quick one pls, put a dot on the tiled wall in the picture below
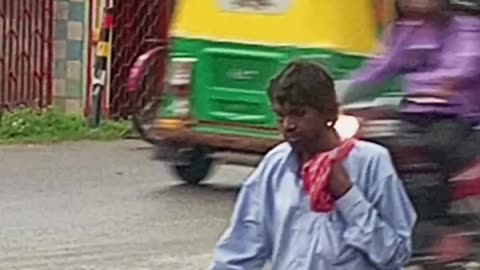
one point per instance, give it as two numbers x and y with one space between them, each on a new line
70 54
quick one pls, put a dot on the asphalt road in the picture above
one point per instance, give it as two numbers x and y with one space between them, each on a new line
102 206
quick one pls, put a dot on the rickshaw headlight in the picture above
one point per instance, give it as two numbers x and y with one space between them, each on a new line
180 82
347 126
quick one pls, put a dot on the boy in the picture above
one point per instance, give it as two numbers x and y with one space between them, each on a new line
369 221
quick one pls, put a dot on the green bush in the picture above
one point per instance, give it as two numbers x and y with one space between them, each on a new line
52 125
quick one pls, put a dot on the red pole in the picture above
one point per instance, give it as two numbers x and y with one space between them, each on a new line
49 68
88 101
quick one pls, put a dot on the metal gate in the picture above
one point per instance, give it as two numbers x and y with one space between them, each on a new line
26 52
139 25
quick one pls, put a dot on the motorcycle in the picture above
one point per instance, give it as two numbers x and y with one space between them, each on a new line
378 121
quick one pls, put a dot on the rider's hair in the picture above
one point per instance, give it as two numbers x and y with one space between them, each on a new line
401 15
304 83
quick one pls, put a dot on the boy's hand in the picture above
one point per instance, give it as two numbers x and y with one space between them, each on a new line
340 182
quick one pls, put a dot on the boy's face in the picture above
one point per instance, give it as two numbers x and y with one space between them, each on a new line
301 126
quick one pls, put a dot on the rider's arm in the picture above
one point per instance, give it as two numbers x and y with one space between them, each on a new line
244 246
377 69
462 59
380 223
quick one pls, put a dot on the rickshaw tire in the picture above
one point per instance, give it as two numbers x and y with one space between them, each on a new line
193 165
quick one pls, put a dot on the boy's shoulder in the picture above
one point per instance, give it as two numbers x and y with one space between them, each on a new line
284 149
369 152
278 155
362 148
372 157
280 159
371 149
281 150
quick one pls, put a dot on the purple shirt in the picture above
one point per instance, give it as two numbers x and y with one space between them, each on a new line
426 55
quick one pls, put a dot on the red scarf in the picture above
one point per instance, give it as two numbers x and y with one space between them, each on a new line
316 175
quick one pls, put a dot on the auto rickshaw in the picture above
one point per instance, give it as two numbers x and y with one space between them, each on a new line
211 104
212 100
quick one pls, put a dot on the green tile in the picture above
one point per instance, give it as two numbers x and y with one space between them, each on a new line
74 50
76 12
74 89
61 30
60 69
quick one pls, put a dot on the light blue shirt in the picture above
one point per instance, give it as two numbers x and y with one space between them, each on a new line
370 228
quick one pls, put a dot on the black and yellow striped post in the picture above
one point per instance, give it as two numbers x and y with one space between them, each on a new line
100 67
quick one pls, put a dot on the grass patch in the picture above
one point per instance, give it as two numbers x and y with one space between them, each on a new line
51 126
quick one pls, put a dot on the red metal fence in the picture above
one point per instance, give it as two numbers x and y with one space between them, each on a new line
26 52
139 26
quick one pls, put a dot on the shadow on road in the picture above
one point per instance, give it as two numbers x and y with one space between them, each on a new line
208 190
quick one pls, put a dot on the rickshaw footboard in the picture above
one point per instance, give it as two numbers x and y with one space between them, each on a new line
220 142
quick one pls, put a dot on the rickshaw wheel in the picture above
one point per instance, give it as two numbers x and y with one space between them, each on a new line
193 164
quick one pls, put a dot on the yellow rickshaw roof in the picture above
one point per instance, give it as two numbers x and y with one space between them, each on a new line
343 25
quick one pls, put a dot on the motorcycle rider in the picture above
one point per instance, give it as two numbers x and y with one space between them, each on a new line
438 54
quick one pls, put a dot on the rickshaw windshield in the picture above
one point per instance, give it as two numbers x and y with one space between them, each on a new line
341 25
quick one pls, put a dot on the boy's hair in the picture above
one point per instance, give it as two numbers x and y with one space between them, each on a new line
303 83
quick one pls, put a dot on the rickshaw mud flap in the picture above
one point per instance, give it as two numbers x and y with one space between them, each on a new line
135 75
146 136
